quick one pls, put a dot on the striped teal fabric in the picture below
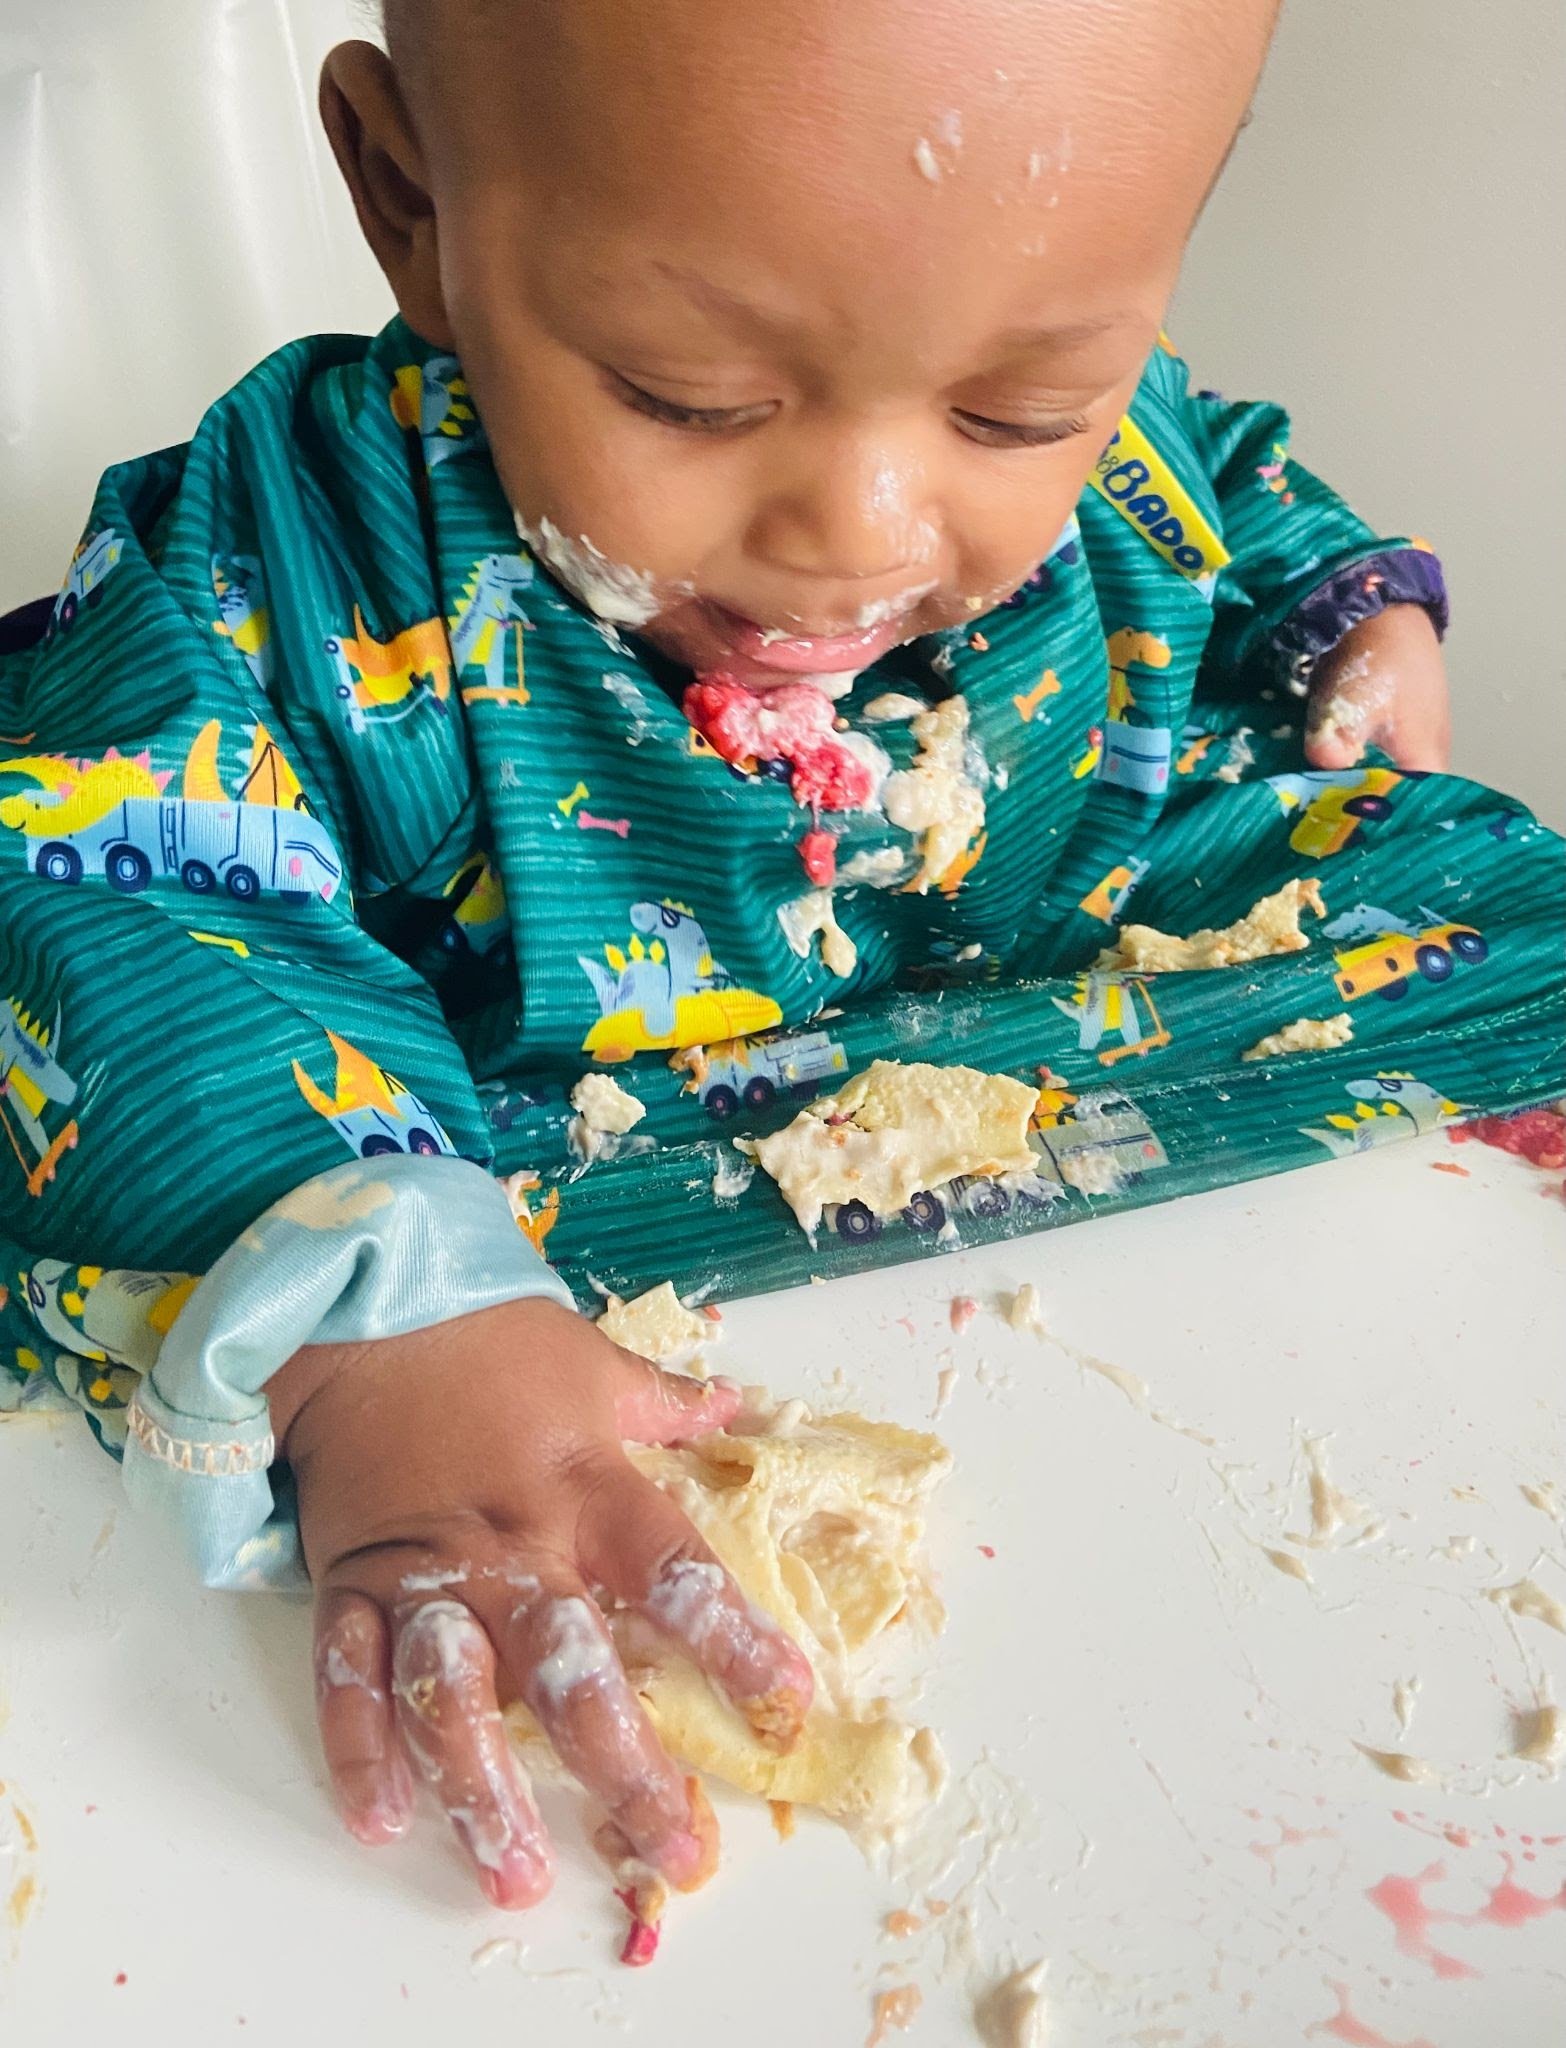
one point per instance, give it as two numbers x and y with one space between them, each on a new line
329 820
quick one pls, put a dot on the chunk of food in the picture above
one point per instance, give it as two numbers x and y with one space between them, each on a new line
1269 927
1305 1034
656 1325
894 1130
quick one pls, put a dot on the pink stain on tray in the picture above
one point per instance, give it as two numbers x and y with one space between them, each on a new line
1288 1838
1346 2025
1402 1899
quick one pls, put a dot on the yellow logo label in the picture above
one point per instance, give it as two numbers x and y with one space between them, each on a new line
1132 476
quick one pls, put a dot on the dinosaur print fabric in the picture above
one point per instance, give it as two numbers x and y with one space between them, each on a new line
331 826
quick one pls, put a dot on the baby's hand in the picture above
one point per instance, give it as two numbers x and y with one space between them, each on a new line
1384 684
461 1491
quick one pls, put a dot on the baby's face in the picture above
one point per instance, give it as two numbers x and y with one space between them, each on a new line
796 329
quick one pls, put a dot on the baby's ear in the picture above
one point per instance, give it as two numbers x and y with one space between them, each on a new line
377 150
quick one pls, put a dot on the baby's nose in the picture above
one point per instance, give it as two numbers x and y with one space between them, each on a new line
849 512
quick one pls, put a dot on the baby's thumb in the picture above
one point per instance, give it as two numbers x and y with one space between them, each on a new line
653 1407
1336 729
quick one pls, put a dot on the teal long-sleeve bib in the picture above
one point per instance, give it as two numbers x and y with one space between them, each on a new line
331 825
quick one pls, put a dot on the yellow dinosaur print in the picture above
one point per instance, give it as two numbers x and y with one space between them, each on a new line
75 794
1125 646
668 991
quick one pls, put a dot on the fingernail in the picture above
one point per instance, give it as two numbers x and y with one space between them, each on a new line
519 1880
681 1856
378 1824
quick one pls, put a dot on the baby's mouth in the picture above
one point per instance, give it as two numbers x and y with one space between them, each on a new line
765 656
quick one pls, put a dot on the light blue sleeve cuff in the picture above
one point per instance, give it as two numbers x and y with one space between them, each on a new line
373 1249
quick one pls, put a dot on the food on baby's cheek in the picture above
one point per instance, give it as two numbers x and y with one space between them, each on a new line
820 1520
1269 927
1305 1034
656 1325
894 1130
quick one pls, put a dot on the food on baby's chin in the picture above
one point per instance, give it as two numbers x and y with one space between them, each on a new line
894 1130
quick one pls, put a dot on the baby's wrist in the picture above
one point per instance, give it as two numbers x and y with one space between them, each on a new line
321 1383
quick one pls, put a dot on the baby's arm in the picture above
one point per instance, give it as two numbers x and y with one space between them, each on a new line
1312 596
451 1425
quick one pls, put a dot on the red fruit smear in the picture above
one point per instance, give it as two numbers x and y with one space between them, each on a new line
1537 1135
818 852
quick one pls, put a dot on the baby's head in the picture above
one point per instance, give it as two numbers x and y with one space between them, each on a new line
797 321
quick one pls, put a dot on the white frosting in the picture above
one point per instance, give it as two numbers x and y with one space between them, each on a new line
811 913
882 869
1395 1763
935 798
578 1651
612 591
1025 1312
1529 1601
1012 2013
732 1175
1269 927
1542 1736
892 708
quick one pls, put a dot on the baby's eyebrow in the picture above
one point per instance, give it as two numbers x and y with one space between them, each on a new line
725 304
745 314
1063 334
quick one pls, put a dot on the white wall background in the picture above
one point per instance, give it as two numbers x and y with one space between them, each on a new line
1384 256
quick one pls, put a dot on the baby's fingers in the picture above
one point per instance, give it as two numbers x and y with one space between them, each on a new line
369 1772
565 1664
443 1672
640 1546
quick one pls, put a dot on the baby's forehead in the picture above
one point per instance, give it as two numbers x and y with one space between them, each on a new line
503 76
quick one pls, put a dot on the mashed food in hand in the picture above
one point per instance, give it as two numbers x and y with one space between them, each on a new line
821 1522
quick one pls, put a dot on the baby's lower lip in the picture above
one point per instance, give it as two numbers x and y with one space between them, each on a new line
807 654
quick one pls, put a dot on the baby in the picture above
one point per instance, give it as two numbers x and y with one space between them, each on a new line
886 608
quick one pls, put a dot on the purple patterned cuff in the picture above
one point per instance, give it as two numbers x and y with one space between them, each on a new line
1406 575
